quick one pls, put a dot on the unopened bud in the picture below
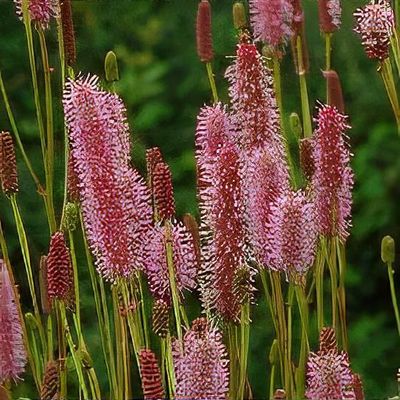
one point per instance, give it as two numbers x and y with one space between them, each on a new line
203 32
71 218
239 16
388 250
111 67
335 94
295 125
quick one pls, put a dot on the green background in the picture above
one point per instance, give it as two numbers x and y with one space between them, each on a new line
163 85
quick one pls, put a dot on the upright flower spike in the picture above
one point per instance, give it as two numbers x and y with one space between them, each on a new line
72 181
8 164
292 234
254 111
114 198
51 380
201 364
330 14
328 373
203 32
151 376
68 31
163 191
40 11
222 228
155 262
333 178
375 25
271 21
13 355
60 280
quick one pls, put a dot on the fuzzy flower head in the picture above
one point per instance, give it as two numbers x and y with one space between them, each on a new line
328 375
201 364
330 13
333 178
292 234
40 11
155 262
114 198
255 114
375 25
272 21
12 350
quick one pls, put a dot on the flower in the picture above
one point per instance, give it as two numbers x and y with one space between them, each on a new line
155 261
150 375
255 115
51 381
333 178
13 355
163 191
201 363
375 25
203 32
291 233
271 21
114 198
8 164
40 11
330 12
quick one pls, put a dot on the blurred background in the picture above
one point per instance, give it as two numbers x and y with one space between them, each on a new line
163 85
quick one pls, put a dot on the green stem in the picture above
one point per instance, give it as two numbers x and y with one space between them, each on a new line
319 287
328 51
244 348
341 255
212 82
393 294
143 311
120 360
62 350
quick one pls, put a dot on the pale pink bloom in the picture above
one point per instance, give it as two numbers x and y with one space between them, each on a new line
40 11
12 350
272 21
155 260
255 115
201 364
114 198
333 177
291 233
375 24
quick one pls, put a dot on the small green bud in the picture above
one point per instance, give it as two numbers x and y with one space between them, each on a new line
31 321
111 67
273 353
295 125
388 250
239 16
70 220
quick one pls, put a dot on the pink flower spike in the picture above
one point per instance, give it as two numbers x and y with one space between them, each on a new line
40 11
155 261
13 356
375 24
333 178
201 364
291 233
272 21
330 13
115 200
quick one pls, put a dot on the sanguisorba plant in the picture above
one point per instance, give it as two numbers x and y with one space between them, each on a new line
267 214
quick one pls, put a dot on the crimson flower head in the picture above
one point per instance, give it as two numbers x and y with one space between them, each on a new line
114 198
13 355
155 261
272 21
330 13
255 114
333 178
150 375
375 25
40 11
201 364
163 191
292 233
203 32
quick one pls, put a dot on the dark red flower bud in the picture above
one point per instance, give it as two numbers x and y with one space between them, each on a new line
160 318
8 164
306 157
203 32
68 31
151 377
335 94
50 386
163 191
327 340
72 181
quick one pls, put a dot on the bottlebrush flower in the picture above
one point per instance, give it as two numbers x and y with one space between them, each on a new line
160 318
150 375
8 164
12 350
265 178
114 198
50 386
163 191
306 157
291 233
333 178
40 11
330 13
254 110
155 262
68 31
271 21
328 374
60 278
203 32
375 25
201 363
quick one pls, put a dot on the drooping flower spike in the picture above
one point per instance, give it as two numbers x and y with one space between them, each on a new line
201 363
330 14
114 198
40 11
375 25
271 21
13 355
333 177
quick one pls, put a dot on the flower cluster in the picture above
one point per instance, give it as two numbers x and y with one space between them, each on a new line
151 376
115 200
201 364
330 13
40 11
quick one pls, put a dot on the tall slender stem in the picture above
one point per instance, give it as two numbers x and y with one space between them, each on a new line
212 82
393 295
